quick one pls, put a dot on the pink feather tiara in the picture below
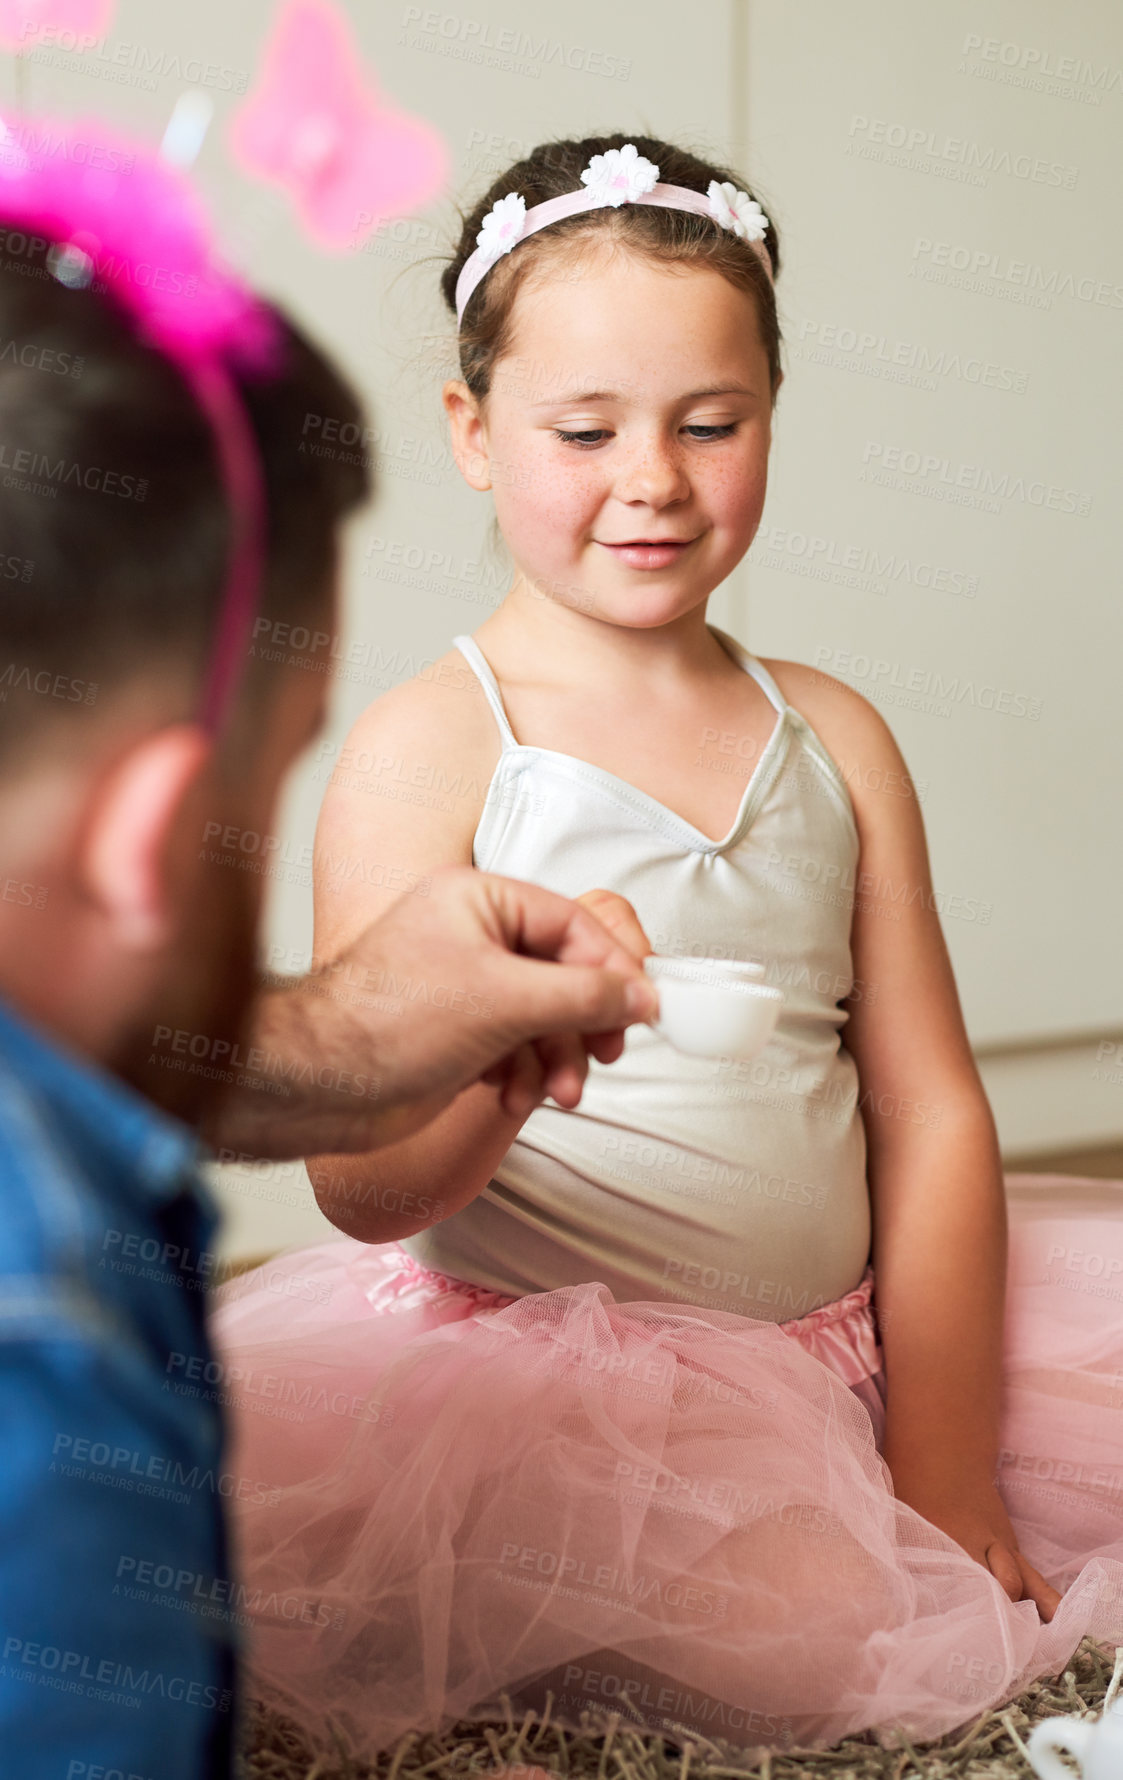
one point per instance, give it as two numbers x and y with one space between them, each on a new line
619 176
126 223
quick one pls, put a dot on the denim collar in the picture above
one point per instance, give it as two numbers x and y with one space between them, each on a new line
102 1114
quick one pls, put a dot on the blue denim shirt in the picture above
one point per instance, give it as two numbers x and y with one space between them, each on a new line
116 1630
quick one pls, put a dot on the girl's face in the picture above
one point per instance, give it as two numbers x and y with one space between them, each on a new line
625 437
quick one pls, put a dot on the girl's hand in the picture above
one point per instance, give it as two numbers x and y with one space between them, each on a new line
976 1518
617 914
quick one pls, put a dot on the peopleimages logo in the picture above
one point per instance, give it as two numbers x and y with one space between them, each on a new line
505 47
72 1666
929 150
1040 70
975 478
932 684
832 877
563 1570
882 568
76 1455
98 56
1001 269
59 471
216 1596
670 1706
37 141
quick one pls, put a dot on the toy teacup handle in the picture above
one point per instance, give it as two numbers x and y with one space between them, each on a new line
1047 1739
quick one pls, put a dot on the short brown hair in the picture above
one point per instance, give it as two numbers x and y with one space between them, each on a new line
99 586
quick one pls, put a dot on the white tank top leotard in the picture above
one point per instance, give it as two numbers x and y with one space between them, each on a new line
740 1185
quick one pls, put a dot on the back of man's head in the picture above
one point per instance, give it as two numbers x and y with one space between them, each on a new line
115 542
114 524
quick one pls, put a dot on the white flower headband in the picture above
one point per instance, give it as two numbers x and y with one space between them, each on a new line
619 176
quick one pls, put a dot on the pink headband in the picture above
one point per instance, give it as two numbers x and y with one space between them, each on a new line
130 224
619 176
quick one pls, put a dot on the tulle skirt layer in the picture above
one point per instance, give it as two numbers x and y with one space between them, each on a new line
674 1513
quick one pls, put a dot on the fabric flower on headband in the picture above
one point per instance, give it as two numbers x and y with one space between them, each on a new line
502 227
735 210
619 176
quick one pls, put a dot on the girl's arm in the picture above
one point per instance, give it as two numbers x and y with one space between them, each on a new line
935 1174
405 799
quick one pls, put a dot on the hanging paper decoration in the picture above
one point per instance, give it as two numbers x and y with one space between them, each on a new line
316 125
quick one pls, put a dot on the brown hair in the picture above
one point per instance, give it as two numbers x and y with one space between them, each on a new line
667 236
115 535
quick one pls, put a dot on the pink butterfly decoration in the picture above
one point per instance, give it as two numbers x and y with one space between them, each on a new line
78 23
315 125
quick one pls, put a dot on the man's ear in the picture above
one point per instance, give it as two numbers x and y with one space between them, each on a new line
468 436
127 844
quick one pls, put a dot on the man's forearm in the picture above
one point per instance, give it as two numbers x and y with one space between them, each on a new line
311 1081
339 1063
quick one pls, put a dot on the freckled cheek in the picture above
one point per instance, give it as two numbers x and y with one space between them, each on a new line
734 495
543 503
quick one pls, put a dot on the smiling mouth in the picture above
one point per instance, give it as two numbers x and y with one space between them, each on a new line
651 556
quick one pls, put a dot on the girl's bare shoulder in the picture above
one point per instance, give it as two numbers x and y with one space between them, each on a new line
410 780
440 714
850 727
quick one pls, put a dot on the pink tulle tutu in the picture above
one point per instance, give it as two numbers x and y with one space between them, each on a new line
673 1513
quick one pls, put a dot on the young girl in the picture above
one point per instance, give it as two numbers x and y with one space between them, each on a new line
595 1400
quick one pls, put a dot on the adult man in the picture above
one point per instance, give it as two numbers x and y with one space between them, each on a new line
118 935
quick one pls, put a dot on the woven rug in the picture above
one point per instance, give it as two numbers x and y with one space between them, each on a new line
607 1747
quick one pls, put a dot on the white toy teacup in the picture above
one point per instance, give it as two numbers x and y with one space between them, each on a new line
1097 1746
713 1007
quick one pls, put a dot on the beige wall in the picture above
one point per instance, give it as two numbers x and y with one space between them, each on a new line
1007 597
942 522
1003 381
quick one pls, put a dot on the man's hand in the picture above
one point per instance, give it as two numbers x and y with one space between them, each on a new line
486 978
525 1074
